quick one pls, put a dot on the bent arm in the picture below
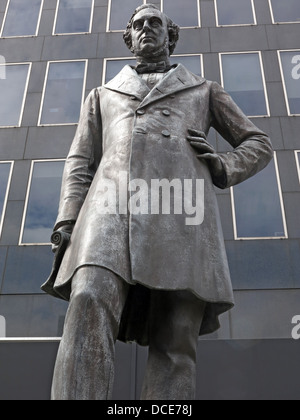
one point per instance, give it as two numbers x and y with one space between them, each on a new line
252 147
82 162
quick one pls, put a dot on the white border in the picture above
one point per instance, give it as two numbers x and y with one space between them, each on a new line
238 238
11 162
133 59
33 162
273 19
45 86
29 64
297 156
22 36
186 27
284 83
109 16
73 33
262 74
236 24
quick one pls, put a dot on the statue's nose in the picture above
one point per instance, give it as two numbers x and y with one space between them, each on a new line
147 26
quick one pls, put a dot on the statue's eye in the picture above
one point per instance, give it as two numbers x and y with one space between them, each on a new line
156 23
138 25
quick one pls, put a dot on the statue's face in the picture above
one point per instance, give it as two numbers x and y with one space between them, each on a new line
149 32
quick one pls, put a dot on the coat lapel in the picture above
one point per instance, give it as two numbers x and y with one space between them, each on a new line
176 80
129 83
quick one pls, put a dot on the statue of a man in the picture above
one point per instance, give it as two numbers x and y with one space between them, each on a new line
135 269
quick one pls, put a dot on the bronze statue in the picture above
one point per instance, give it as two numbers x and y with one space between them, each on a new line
159 278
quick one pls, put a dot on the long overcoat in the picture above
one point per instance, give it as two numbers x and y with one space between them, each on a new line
126 128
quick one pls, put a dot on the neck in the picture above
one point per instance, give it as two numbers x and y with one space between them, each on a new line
149 57
153 59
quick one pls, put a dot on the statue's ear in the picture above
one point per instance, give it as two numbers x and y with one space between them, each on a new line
172 40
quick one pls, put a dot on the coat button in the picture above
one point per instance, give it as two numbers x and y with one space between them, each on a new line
166 133
166 113
141 112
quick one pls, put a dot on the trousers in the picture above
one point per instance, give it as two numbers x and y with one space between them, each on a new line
84 368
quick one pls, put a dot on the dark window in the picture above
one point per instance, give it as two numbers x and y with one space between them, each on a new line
42 202
235 12
63 93
21 18
290 65
257 206
184 13
13 86
243 80
120 13
73 16
284 11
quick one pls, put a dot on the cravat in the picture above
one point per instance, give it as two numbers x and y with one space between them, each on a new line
160 67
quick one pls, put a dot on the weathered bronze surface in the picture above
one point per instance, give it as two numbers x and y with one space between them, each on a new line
148 123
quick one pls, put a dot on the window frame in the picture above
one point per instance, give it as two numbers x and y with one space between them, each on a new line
105 60
45 86
273 18
297 156
21 36
268 115
33 162
2 216
29 64
235 24
109 16
284 82
73 33
284 222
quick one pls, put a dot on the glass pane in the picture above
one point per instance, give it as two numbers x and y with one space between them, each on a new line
4 177
257 206
286 11
43 202
33 316
235 12
121 12
73 16
291 72
113 67
63 93
183 13
12 90
243 81
22 18
192 63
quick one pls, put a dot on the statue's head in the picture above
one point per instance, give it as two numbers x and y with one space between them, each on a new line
150 32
